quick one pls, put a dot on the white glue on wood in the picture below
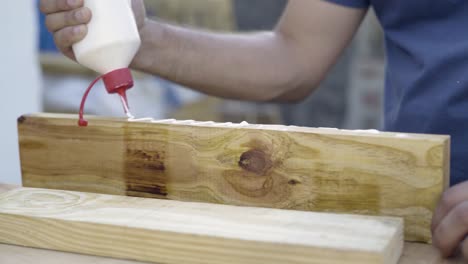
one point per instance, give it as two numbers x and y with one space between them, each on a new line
109 47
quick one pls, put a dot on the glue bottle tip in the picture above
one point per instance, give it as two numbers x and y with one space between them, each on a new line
123 98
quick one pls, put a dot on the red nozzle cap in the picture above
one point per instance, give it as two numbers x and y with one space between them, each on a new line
118 81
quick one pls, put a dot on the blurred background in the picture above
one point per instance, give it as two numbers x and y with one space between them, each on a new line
39 79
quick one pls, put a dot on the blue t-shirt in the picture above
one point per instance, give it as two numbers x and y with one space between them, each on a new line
426 86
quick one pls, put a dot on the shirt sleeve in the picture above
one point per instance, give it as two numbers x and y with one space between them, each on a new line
352 3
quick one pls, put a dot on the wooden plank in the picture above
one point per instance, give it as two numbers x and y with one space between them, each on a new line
413 253
166 231
10 254
267 166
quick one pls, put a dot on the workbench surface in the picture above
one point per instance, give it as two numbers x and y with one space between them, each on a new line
413 254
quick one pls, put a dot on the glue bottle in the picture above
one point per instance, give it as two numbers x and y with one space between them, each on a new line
109 47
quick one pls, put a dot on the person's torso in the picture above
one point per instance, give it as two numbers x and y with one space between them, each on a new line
427 71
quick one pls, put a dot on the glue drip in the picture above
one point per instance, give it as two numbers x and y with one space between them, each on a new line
119 89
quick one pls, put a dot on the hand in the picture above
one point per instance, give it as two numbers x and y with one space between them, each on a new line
67 19
450 222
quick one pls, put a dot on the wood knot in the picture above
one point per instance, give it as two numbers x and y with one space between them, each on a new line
255 161
294 182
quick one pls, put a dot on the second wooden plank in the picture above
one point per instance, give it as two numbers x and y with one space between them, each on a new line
179 232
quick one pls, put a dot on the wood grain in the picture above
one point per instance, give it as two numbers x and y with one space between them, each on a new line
413 253
166 231
10 254
307 169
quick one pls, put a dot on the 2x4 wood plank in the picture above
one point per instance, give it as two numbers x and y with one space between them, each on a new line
165 231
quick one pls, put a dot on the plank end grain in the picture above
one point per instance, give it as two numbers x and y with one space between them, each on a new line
165 231
309 169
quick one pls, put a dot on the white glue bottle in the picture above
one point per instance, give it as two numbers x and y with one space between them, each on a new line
109 47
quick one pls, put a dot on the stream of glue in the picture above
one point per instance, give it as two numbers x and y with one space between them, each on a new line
125 106
82 122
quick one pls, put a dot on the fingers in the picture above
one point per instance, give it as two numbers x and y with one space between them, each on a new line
54 6
57 21
452 229
67 20
66 37
450 200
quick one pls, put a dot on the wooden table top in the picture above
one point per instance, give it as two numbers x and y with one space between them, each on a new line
414 253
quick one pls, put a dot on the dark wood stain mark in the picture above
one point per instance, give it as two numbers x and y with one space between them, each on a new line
147 189
145 171
21 119
145 168
150 160
157 167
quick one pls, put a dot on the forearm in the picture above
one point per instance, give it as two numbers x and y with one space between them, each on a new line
256 66
285 64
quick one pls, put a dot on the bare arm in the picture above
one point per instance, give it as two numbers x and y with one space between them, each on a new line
283 65
286 64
